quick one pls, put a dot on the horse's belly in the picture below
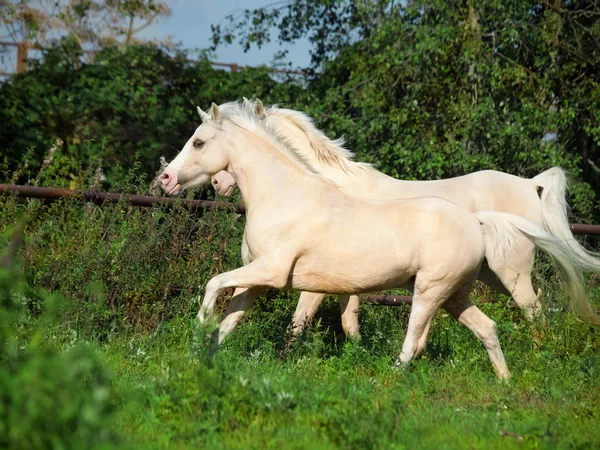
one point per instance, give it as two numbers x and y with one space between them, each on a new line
350 275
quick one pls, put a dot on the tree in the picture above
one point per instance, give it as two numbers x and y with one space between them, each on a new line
92 23
330 25
129 104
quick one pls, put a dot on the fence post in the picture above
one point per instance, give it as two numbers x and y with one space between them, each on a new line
22 48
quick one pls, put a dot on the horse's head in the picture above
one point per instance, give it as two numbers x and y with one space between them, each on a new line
223 182
203 155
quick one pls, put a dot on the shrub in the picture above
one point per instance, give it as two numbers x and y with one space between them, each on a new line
48 398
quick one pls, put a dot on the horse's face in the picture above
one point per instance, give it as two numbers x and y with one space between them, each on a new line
203 155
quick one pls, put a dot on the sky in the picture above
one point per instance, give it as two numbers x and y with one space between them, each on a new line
190 23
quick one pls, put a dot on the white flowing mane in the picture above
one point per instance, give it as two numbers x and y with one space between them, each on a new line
327 151
242 115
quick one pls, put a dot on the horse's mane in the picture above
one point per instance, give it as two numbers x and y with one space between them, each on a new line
327 151
241 113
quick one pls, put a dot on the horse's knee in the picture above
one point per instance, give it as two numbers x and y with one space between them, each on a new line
214 284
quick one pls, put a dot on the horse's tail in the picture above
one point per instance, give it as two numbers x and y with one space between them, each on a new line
501 231
555 214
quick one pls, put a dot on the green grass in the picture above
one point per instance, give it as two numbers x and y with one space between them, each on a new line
328 393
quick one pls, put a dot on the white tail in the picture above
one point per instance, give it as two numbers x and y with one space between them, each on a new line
501 229
555 214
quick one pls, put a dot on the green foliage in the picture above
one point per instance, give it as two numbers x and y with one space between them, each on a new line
139 99
48 398
124 265
348 396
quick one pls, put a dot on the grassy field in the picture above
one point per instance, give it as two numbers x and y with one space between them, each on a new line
162 390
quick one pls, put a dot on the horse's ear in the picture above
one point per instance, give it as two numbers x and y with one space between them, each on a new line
202 114
259 108
215 114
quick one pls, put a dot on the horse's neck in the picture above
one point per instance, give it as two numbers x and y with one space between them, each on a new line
267 177
352 178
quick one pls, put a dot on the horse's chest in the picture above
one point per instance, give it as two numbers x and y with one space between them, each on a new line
262 239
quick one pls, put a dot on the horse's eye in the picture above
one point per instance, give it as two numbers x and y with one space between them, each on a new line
198 144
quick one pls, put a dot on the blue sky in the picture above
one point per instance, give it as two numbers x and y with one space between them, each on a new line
190 22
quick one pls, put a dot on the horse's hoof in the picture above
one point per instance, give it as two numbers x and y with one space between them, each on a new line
400 367
503 379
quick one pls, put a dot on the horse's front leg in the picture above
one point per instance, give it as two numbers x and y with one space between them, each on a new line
257 273
240 302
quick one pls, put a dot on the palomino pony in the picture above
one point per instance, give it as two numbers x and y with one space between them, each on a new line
302 232
540 200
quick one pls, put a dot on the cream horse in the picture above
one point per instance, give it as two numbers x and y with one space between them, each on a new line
540 200
302 232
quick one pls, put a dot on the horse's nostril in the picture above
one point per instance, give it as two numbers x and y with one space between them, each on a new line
164 177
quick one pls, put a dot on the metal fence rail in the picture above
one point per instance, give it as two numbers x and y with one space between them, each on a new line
24 47
99 198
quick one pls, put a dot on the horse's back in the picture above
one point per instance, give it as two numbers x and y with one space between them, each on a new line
486 190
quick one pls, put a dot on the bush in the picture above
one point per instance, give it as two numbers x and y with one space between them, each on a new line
48 398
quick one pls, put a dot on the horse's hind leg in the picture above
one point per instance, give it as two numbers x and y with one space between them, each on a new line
514 271
426 301
308 303
461 308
